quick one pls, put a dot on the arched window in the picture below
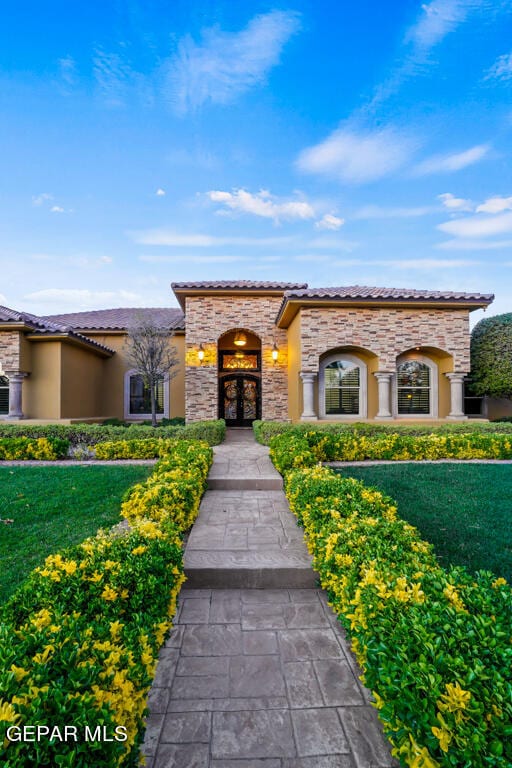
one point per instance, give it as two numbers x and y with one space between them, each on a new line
416 387
342 387
4 395
137 397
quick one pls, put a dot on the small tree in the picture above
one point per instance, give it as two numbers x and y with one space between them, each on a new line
491 356
151 354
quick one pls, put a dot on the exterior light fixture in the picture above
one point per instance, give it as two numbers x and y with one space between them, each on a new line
275 352
200 353
240 339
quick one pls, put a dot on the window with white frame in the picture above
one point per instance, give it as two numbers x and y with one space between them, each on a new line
416 387
137 397
342 386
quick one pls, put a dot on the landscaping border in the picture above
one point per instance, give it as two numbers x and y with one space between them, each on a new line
79 639
433 644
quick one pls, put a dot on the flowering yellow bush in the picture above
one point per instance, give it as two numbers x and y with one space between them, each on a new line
289 450
79 640
435 646
41 448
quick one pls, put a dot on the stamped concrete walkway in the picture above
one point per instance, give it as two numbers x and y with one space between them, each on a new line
256 672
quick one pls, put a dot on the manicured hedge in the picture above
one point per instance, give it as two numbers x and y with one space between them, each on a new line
79 640
265 430
290 450
434 645
42 448
213 432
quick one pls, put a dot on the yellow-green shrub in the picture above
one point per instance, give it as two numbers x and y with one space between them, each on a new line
79 640
41 449
290 450
434 645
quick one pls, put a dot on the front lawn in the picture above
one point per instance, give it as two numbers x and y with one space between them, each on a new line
52 507
464 510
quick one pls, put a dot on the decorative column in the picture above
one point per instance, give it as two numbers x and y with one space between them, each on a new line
456 395
384 380
308 383
15 388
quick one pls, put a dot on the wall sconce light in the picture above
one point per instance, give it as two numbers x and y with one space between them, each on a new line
275 352
200 353
240 339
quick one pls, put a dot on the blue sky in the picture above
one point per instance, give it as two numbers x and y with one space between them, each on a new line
144 142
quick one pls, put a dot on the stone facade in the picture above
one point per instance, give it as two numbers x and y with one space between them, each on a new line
10 349
207 318
386 332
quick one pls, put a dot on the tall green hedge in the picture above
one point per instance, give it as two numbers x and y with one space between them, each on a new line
491 356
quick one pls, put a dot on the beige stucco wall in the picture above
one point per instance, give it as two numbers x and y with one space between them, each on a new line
295 404
115 368
41 392
81 382
207 319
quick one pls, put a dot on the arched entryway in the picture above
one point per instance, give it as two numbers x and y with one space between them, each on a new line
239 356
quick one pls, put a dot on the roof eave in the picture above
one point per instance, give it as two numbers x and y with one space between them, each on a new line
290 305
89 344
182 293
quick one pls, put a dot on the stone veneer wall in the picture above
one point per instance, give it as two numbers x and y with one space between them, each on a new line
209 317
387 332
10 351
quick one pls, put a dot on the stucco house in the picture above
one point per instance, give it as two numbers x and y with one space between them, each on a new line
247 350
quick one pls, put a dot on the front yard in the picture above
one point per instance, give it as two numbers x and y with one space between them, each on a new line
53 507
464 510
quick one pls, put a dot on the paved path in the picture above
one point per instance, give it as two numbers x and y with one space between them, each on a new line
256 672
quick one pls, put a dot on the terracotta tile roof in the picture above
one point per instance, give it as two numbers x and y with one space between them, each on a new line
404 294
47 326
121 318
368 294
236 285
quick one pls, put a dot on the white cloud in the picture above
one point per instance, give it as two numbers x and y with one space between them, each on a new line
226 64
478 226
455 203
452 162
160 192
67 67
380 212
329 221
262 204
501 69
114 77
327 243
172 238
437 19
427 264
495 205
56 209
474 245
44 197
191 259
357 157
80 298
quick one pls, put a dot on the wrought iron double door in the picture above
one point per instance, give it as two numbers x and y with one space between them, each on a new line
239 399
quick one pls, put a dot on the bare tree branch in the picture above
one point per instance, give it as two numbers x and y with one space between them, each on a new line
151 354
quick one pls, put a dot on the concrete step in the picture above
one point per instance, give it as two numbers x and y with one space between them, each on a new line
270 483
248 570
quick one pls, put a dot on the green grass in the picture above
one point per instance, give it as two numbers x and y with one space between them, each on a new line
52 507
464 510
